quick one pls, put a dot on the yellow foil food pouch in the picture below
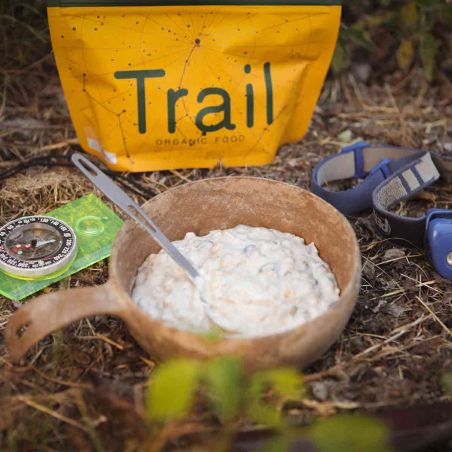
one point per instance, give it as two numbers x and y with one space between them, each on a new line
155 85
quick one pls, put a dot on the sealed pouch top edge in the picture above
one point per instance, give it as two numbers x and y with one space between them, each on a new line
97 3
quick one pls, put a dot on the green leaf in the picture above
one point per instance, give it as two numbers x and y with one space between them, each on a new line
340 59
359 37
446 13
280 443
409 16
447 383
172 389
371 21
224 378
351 433
262 413
427 52
405 54
286 384
432 5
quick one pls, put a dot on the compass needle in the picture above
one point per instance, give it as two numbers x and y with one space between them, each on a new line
36 247
44 243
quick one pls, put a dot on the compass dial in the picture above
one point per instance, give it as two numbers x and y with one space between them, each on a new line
34 247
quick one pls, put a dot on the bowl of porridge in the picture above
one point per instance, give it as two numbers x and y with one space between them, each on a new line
280 271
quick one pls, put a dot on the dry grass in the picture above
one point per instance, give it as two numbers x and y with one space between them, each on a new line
82 388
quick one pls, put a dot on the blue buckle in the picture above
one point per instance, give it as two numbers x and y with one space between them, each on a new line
357 149
439 240
384 167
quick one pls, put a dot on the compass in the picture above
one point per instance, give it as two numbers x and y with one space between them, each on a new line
36 247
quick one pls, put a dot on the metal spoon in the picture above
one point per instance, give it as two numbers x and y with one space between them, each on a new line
133 210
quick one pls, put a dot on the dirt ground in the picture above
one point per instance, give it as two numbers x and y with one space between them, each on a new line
82 388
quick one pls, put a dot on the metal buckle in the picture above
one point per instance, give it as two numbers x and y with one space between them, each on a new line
439 240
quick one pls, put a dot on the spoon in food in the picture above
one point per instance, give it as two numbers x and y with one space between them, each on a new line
134 211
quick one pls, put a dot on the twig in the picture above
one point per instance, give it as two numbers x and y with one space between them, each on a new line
62 144
52 413
400 331
106 339
61 382
447 330
180 176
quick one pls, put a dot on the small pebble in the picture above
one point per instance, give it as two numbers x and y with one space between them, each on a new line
393 253
319 390
447 147
395 310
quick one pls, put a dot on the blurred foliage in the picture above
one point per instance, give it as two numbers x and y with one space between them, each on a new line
24 43
24 34
349 432
172 391
446 382
394 35
230 391
284 384
224 378
178 386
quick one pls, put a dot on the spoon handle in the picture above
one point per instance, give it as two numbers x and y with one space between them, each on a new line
132 209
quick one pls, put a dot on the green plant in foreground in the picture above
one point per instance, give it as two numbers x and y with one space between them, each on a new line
350 433
259 397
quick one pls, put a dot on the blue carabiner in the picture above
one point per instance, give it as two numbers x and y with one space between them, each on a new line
439 240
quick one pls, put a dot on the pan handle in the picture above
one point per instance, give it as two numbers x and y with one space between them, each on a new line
47 313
